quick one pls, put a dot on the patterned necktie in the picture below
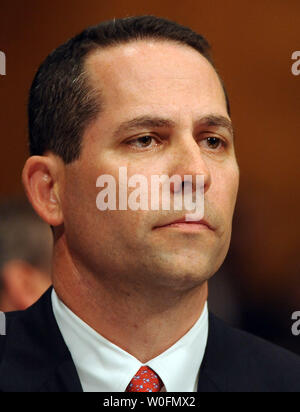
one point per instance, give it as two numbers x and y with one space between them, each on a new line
145 380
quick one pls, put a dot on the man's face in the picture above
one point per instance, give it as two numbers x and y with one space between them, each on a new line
177 87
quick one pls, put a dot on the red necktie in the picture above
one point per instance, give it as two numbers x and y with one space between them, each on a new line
145 380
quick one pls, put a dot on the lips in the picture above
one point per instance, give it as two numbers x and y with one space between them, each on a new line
188 222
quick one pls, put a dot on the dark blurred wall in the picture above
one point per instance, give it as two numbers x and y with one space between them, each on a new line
252 46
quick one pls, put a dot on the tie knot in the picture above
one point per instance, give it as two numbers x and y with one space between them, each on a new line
145 380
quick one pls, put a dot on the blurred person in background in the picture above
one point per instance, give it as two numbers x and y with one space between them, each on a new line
25 255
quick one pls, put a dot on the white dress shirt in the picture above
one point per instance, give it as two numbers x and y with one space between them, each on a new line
104 367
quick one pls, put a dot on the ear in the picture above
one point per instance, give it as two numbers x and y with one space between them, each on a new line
42 178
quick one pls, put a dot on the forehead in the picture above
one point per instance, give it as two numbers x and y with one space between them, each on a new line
155 73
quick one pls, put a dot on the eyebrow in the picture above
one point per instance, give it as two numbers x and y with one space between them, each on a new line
144 122
216 121
154 122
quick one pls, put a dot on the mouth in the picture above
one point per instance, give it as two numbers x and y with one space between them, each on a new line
192 226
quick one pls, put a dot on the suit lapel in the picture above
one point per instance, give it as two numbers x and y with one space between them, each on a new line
213 376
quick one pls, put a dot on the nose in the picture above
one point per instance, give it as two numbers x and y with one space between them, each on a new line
188 162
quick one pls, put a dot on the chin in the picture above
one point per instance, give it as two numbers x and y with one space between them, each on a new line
195 271
182 277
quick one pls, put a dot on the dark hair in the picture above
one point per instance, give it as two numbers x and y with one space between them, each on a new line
61 101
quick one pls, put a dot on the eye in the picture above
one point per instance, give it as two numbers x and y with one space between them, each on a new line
214 142
142 142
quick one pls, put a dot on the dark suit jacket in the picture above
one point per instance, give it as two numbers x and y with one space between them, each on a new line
35 358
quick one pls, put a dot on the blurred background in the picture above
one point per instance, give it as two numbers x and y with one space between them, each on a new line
258 287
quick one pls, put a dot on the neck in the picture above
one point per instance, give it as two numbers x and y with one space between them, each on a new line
142 321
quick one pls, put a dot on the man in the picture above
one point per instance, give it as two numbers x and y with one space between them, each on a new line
25 255
128 310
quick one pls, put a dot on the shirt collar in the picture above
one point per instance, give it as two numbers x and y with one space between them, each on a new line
104 367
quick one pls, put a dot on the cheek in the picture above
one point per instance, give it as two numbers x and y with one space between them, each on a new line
81 216
223 191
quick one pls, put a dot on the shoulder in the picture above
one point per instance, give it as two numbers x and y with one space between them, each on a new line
250 363
243 342
31 329
33 354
